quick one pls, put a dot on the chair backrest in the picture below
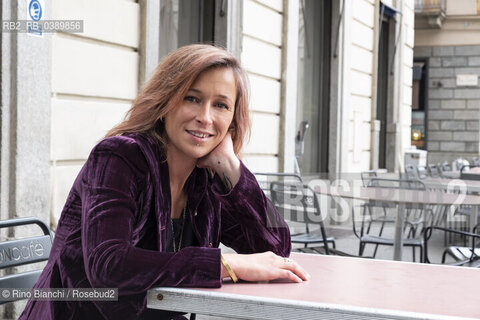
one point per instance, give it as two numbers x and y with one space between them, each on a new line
264 179
23 251
410 172
367 175
459 163
422 172
296 202
433 170
446 166
411 184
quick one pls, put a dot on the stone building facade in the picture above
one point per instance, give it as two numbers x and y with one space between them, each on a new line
447 41
453 109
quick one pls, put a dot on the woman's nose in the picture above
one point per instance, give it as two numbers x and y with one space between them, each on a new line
204 113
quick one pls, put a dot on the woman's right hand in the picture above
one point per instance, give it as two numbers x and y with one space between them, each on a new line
263 267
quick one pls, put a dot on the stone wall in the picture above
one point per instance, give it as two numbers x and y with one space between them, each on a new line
453 111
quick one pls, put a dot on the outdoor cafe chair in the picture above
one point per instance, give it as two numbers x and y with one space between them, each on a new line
299 203
23 251
410 172
416 216
369 179
264 179
422 172
433 170
462 255
443 168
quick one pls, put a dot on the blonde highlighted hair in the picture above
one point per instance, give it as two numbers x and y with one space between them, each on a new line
170 82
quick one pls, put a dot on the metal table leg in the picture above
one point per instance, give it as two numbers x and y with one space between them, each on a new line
398 239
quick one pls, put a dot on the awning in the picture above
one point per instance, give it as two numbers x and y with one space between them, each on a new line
388 10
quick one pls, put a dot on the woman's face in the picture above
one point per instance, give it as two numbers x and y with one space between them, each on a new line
202 119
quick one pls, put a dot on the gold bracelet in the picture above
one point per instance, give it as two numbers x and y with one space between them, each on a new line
229 270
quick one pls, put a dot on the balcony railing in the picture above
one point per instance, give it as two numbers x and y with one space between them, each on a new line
433 11
430 6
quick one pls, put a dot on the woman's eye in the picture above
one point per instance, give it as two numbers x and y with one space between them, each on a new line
222 106
191 99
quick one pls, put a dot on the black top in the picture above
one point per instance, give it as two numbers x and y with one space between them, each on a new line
188 238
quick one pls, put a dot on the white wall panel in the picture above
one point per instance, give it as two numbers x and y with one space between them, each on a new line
265 94
410 37
261 58
265 134
363 11
409 17
362 35
407 95
406 115
261 163
407 75
408 56
78 125
362 105
274 4
90 69
361 59
261 22
359 165
388 2
107 20
62 181
360 83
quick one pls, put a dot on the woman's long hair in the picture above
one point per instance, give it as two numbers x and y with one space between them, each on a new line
170 82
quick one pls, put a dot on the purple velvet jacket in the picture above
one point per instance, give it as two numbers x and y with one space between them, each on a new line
112 231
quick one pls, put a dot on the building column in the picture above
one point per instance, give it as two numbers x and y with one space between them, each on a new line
25 118
25 80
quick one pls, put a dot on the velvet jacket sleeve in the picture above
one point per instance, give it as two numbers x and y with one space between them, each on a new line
250 223
112 180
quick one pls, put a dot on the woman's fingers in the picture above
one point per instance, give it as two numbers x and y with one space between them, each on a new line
294 267
287 274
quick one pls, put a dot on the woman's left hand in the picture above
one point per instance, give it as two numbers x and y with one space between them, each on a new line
224 162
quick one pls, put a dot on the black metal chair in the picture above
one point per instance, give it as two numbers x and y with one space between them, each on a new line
264 179
23 251
462 256
415 217
369 179
299 203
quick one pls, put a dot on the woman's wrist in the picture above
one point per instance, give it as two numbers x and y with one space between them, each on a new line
227 270
229 171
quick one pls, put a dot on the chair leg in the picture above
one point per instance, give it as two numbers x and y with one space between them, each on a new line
361 248
193 316
333 244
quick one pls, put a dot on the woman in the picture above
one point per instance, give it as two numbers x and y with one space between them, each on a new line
161 191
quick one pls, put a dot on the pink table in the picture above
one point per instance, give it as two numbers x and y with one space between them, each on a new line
341 287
